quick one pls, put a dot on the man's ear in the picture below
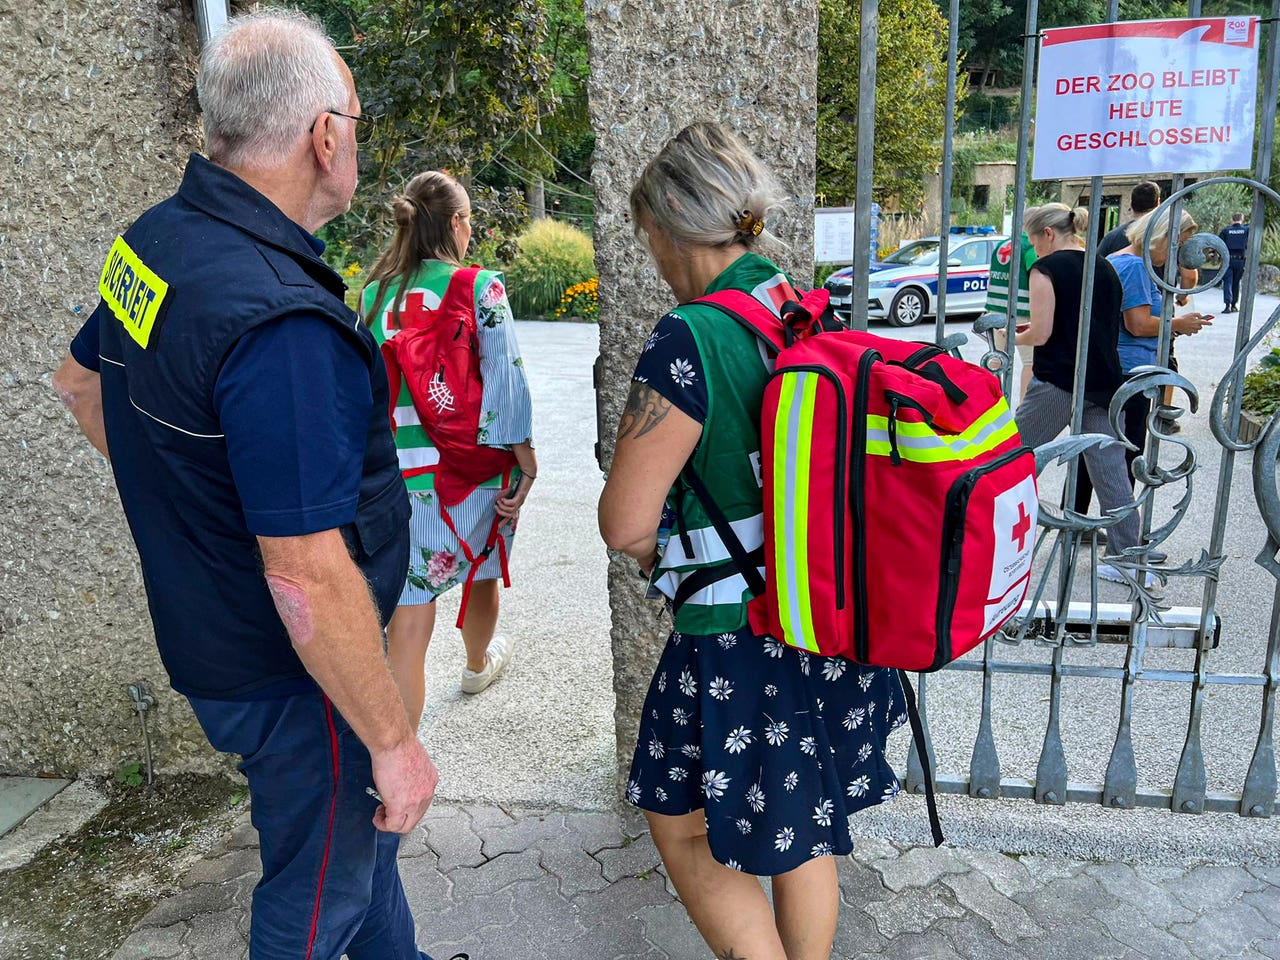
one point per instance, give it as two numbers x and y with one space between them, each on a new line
324 141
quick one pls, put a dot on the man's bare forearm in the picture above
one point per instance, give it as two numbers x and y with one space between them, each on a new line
324 602
80 391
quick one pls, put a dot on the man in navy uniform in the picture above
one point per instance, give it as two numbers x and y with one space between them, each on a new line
1236 237
244 411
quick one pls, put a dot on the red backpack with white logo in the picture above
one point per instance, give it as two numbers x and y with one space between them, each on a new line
438 353
899 502
900 505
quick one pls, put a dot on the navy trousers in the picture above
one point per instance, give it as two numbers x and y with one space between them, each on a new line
330 884
1232 274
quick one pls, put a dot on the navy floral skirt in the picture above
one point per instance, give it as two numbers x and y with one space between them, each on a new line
777 746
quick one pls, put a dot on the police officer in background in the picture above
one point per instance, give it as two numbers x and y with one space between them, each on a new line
1236 237
244 411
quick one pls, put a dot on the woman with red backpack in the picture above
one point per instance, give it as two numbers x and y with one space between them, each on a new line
751 754
463 421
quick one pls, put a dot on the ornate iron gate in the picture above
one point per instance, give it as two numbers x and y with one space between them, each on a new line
1051 619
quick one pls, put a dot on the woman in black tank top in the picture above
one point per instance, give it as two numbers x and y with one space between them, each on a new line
1057 279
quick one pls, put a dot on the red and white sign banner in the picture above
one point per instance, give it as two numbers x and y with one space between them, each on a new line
1146 96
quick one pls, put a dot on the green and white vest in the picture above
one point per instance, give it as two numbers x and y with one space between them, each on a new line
727 457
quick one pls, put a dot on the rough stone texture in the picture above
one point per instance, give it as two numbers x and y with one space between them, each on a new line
528 901
656 67
101 115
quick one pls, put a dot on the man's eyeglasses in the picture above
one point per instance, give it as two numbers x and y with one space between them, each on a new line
364 126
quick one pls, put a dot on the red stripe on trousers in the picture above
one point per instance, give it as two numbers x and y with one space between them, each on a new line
333 806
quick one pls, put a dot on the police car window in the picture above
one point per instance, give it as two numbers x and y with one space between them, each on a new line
922 251
972 254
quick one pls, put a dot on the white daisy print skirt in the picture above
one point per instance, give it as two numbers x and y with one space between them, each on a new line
776 746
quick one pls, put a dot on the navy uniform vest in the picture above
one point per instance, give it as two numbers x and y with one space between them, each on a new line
194 274
1236 237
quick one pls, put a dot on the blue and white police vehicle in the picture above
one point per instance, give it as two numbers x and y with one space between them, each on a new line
904 285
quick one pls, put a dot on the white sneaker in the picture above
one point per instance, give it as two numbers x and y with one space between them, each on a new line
496 659
1107 572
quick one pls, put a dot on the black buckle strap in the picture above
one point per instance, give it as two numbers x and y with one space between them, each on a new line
746 566
701 579
926 762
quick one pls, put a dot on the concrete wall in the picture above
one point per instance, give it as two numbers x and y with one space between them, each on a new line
99 111
657 65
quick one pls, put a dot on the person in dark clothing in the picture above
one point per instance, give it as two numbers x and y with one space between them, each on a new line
244 411
1236 237
1144 198
1056 285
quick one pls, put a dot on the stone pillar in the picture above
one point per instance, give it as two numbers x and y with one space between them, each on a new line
656 67
100 115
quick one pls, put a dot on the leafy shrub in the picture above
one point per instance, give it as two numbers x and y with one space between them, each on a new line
1262 386
1271 245
581 300
1212 207
553 257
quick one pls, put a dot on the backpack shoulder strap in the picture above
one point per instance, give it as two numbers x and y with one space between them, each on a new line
461 288
750 313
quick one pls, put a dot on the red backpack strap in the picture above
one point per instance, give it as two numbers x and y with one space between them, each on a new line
461 289
749 312
391 361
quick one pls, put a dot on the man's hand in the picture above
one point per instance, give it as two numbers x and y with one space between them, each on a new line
406 778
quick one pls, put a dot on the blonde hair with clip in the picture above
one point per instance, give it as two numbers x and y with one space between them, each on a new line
706 188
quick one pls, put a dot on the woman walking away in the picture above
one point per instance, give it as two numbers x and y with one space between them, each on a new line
1057 280
418 281
751 754
1141 305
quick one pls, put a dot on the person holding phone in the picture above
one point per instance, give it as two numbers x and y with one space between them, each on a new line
1139 338
1056 232
433 230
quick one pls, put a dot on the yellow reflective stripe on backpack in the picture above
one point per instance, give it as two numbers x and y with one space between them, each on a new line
920 443
792 452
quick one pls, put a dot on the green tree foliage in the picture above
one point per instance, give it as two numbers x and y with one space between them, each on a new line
911 86
559 147
450 83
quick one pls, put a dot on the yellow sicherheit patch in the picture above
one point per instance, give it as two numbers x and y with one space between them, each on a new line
133 291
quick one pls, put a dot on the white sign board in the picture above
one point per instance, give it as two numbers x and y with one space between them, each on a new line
833 235
1145 96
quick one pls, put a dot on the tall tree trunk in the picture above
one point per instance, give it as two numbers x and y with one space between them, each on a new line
536 195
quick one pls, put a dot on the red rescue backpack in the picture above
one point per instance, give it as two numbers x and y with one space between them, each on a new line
900 505
438 353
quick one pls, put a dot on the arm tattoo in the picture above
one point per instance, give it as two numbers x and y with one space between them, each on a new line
646 408
729 955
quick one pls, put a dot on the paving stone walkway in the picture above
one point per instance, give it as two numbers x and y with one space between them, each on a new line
541 885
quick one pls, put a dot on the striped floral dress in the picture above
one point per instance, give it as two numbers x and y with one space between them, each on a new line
437 562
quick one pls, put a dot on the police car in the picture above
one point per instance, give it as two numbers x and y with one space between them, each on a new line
904 286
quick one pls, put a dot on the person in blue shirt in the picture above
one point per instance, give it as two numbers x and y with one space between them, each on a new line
1236 237
243 408
1141 308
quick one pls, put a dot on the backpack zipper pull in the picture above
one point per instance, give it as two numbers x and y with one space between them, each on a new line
894 456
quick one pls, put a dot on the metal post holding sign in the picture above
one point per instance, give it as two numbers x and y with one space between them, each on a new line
210 16
870 34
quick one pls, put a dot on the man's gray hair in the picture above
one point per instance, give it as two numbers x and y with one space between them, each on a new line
263 81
